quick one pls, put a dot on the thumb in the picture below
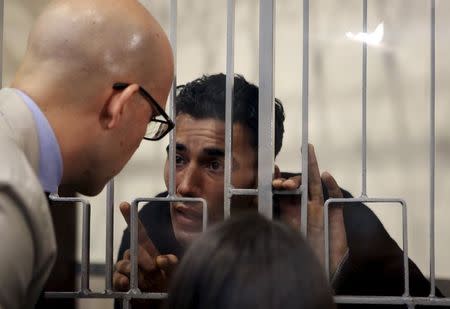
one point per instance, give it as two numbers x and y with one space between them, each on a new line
167 263
125 210
277 172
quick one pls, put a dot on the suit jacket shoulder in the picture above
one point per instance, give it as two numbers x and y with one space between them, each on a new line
28 240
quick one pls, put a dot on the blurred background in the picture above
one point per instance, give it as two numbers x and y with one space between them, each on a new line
398 104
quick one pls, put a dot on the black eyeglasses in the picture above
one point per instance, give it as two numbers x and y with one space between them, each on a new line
160 124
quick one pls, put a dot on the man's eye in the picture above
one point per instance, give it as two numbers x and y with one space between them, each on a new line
216 165
179 160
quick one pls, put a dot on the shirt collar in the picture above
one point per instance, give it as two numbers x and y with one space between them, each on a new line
50 160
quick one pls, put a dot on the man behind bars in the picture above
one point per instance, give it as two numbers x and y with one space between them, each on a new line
74 116
365 260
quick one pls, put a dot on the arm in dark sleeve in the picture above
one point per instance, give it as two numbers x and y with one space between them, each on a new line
374 265
375 262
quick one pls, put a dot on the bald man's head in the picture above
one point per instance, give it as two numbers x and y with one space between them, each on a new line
98 42
77 51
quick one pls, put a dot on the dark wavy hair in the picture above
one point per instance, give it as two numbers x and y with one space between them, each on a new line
250 262
205 98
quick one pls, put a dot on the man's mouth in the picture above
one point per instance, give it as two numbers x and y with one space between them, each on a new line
188 216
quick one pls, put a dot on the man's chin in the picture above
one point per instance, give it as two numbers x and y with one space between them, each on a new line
185 238
92 191
83 189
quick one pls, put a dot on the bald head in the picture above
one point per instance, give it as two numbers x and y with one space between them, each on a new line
77 51
87 44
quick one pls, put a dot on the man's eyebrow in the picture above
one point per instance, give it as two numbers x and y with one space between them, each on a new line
214 152
178 146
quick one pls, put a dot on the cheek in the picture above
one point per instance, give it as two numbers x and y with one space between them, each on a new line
127 149
214 197
244 178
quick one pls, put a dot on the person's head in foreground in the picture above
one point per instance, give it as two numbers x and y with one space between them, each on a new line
249 262
200 148
86 66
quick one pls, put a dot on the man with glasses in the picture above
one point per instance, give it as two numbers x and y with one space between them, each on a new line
75 114
159 124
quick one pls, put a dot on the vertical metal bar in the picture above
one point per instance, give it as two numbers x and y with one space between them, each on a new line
109 235
305 119
173 93
364 105
205 215
405 248
126 303
2 9
432 144
134 246
85 248
266 106
327 239
229 107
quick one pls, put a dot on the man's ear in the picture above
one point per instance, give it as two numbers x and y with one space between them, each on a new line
114 107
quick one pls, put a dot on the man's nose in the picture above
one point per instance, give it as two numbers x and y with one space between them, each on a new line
188 182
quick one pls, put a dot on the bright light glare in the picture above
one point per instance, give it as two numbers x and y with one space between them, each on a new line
373 38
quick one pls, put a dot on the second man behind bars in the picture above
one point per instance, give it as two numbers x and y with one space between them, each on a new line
365 260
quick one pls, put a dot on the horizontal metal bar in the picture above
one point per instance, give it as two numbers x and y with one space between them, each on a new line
169 199
394 300
244 191
56 198
255 192
365 200
123 295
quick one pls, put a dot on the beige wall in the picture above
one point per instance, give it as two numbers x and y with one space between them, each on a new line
398 100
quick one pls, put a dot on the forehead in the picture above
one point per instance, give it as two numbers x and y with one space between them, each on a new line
210 132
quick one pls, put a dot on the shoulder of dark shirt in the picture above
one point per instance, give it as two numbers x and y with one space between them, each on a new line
365 232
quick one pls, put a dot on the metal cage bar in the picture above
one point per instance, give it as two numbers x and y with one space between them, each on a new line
173 94
394 300
134 245
85 238
364 107
229 86
432 143
109 261
369 200
265 159
266 106
305 119
2 27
